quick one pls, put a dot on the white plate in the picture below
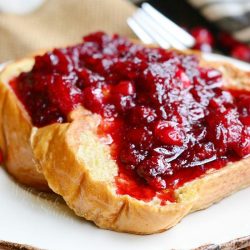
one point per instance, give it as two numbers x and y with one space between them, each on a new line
28 218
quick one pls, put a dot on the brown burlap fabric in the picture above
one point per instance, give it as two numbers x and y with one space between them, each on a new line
59 23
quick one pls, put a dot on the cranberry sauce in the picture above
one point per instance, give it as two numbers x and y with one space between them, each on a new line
167 119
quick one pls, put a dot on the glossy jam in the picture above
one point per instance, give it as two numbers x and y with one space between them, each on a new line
167 120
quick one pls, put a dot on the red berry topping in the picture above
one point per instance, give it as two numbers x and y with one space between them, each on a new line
241 52
64 95
93 99
151 169
124 88
170 133
142 114
167 119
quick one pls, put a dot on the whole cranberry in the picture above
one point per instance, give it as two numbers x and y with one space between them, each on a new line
142 114
93 99
60 62
64 95
180 73
139 136
227 41
243 148
170 133
122 103
203 38
245 120
124 88
241 52
122 95
210 75
150 169
243 102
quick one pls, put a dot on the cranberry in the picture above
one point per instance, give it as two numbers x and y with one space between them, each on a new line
63 95
204 39
170 133
222 102
93 98
245 120
131 156
241 52
122 95
243 102
234 126
99 38
124 88
61 61
243 148
202 35
226 129
203 153
212 76
122 103
185 81
151 168
142 114
86 78
227 41
140 136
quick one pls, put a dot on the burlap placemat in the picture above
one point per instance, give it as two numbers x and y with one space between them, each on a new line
59 23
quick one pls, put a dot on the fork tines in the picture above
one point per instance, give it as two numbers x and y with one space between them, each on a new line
153 27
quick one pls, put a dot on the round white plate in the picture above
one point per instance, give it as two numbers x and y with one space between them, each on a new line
29 218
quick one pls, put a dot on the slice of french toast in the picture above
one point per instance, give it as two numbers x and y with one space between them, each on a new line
132 138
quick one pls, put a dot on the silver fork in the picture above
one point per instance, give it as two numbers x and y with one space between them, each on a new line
153 27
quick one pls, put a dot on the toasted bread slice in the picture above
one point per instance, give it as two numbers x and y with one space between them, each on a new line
85 179
84 174
15 130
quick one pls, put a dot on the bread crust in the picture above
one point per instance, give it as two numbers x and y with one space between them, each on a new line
84 174
15 129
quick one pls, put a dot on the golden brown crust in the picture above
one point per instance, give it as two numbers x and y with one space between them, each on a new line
85 178
5 245
15 132
94 197
78 167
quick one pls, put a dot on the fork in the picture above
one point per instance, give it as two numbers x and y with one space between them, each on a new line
151 26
